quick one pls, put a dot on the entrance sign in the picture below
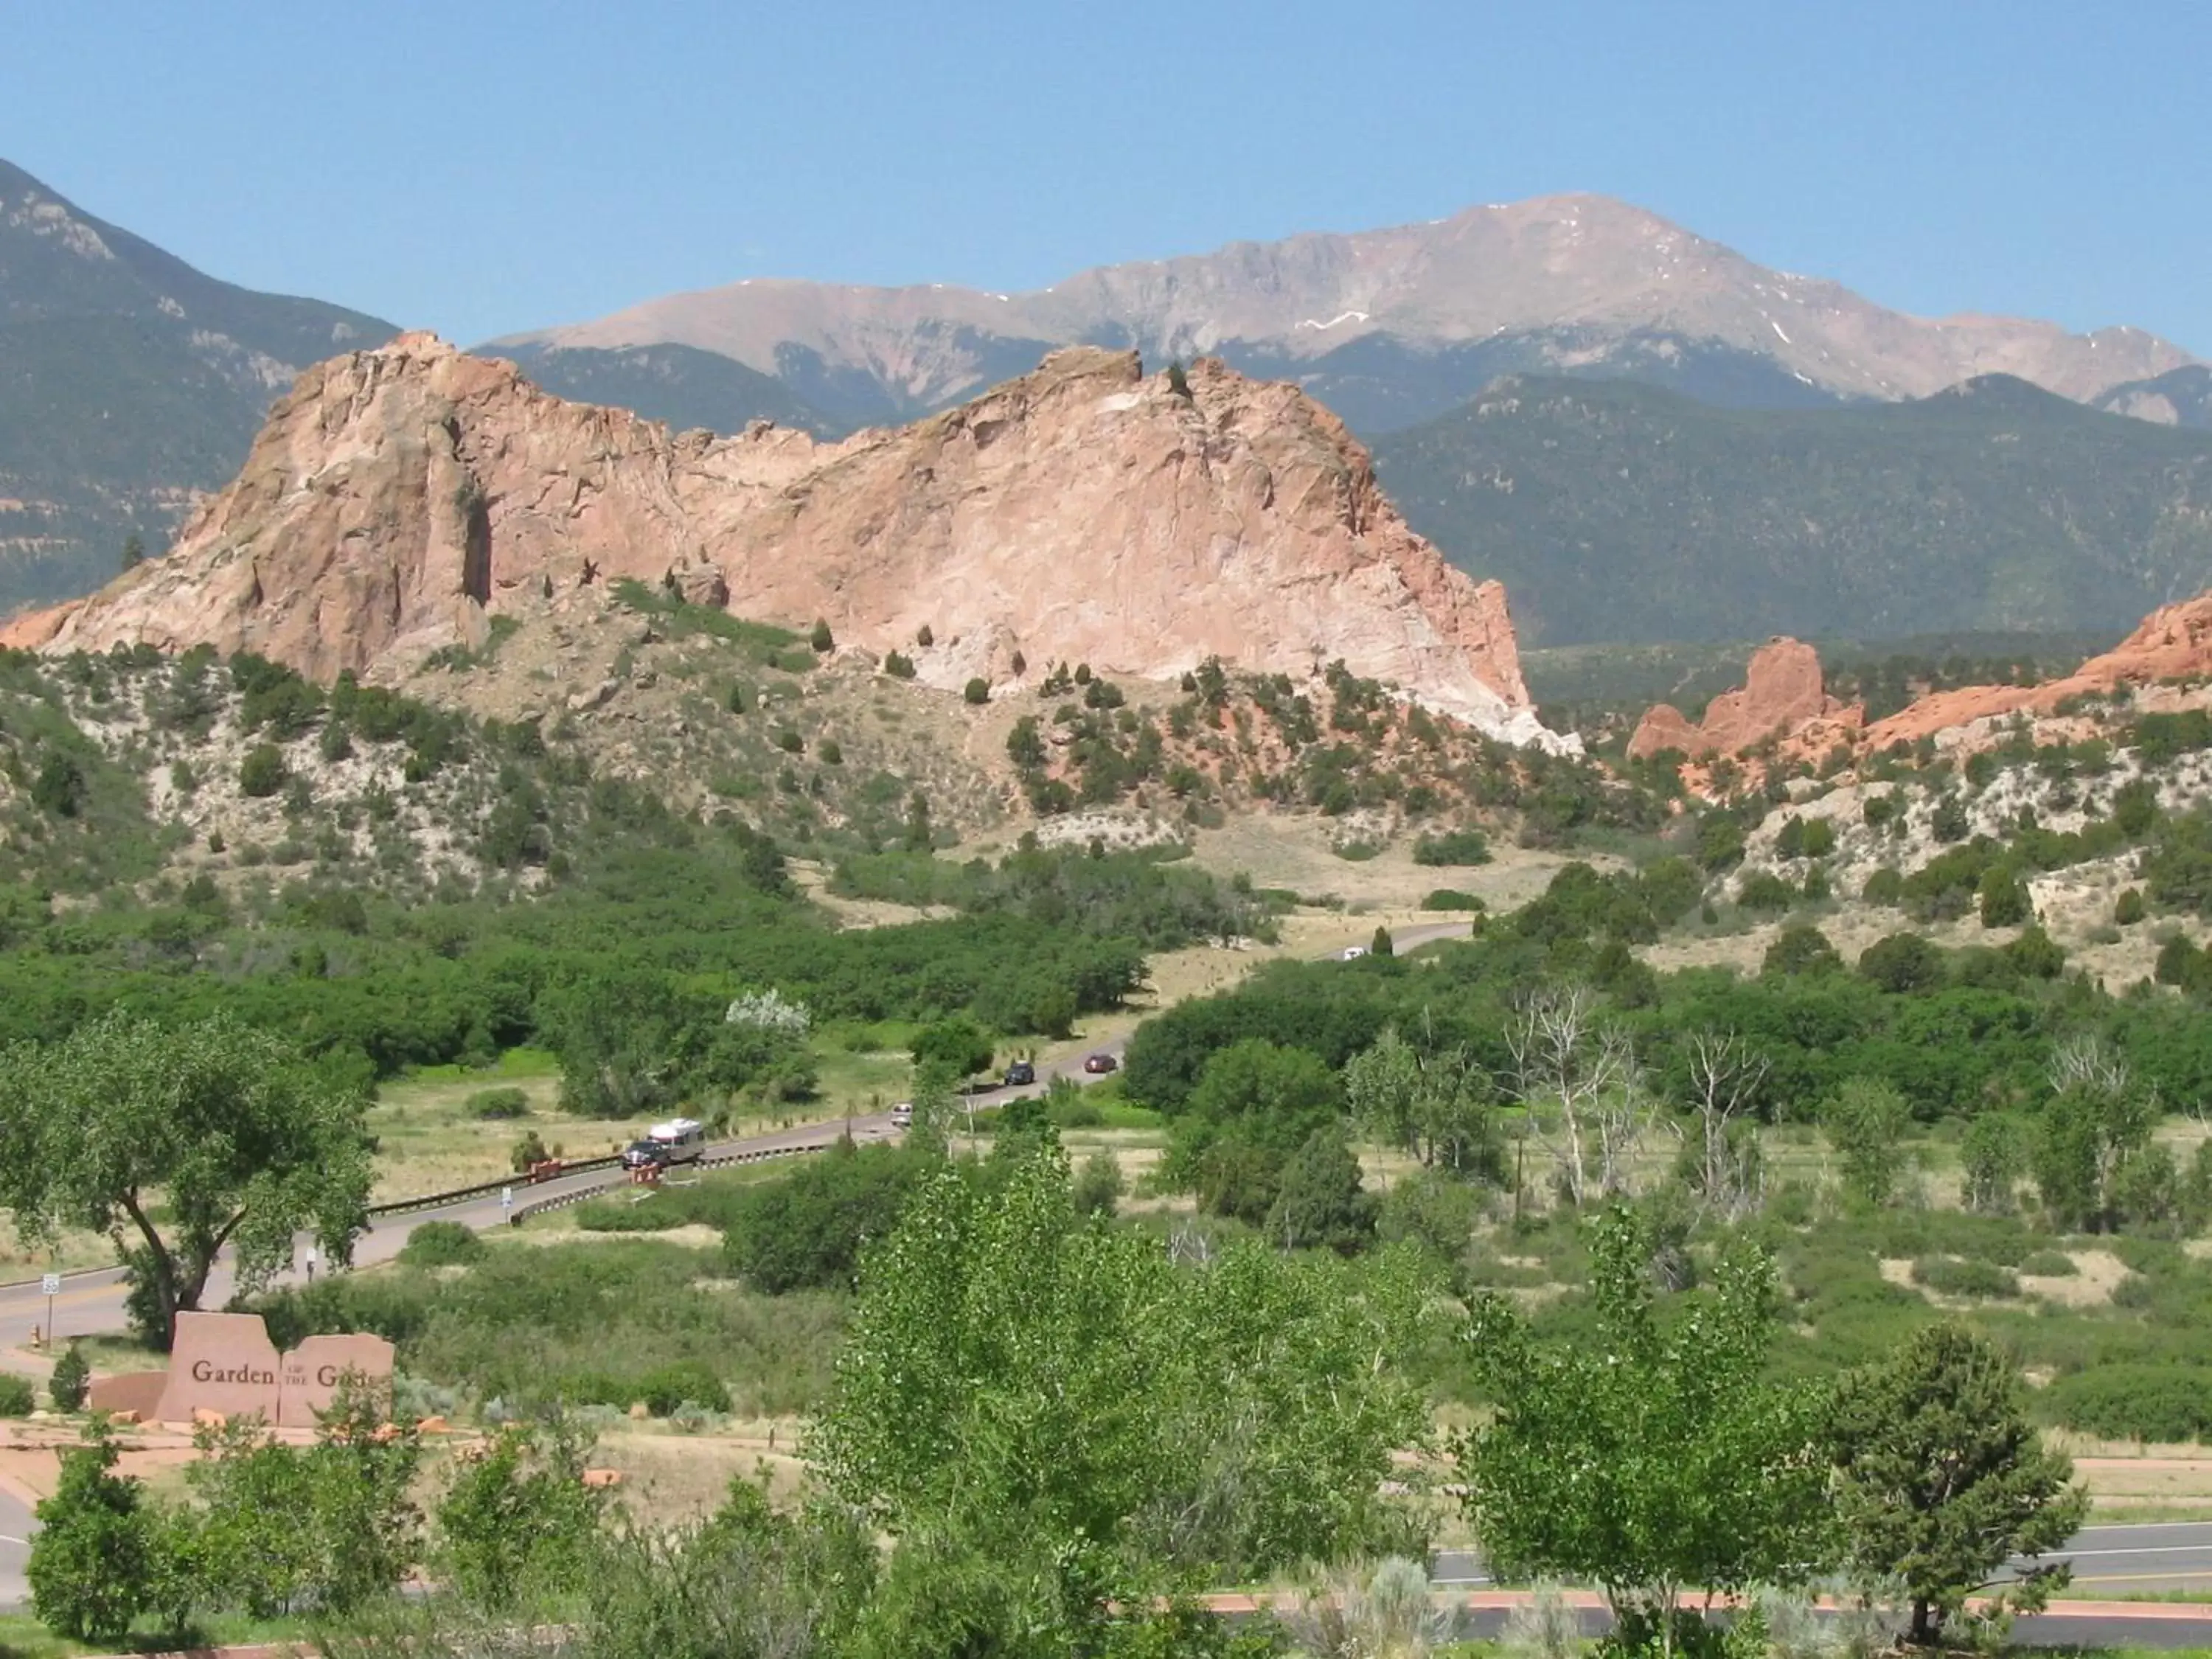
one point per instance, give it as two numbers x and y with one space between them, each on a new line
226 1362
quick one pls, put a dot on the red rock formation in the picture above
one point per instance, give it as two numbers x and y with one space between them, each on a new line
2173 642
397 499
1783 696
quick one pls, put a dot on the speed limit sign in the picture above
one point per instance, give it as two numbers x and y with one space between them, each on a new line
51 1284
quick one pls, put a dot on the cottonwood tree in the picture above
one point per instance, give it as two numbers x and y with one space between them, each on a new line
2095 1122
1653 1457
1724 1081
1866 1123
1433 1104
1941 1480
1570 1063
178 1143
1018 1385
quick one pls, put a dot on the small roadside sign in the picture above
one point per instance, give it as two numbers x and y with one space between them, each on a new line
51 1284
507 1197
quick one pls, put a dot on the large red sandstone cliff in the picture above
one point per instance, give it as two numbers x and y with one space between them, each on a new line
398 499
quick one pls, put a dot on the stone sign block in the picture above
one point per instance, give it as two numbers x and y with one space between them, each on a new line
226 1362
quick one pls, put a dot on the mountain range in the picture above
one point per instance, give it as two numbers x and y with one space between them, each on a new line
1617 511
129 381
1388 327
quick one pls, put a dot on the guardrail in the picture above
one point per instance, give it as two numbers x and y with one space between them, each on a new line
485 1188
522 1212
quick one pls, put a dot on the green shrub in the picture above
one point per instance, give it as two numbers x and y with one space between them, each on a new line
1885 886
494 1104
2049 1264
1765 891
898 665
443 1245
71 1380
1950 1275
807 1230
2129 908
1449 898
17 1397
1452 847
263 771
977 691
820 640
2130 1401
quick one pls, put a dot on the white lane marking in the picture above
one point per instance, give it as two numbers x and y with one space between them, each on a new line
5 1539
2141 1549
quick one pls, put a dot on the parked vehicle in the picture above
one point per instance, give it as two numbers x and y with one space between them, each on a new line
1099 1064
1351 953
1020 1075
680 1140
902 1115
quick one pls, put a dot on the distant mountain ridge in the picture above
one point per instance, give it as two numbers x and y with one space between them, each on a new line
129 381
1388 327
1618 512
2180 396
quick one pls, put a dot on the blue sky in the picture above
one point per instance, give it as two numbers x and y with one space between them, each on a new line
479 167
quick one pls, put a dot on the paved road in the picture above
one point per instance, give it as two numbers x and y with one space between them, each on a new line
14 1550
2111 1561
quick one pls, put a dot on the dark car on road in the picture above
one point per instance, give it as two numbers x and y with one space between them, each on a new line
1099 1064
1020 1075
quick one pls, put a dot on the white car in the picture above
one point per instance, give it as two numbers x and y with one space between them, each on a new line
1351 953
902 1115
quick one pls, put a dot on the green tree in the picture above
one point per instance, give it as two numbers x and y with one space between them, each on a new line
519 1520
2003 897
953 1048
977 691
59 790
1435 1106
99 1557
1993 1154
2129 909
175 1142
1065 1397
2096 1120
1941 1480
1380 945
1651 1456
1025 743
1319 1204
134 552
1800 949
1866 1121
820 638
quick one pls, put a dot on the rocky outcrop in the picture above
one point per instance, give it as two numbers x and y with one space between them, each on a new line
398 499
1783 696
2174 642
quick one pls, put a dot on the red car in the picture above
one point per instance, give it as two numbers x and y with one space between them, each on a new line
1101 1064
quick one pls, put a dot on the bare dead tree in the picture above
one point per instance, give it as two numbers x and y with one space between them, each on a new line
2084 1064
1570 1064
1725 1077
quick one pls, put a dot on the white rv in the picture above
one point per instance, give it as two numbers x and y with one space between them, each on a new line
680 1140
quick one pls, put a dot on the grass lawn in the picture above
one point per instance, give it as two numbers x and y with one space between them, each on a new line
22 1637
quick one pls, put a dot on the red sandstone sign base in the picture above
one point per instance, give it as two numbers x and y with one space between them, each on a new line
226 1362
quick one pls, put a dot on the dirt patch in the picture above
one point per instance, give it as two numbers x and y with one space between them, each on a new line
813 880
1296 853
2096 1275
669 1477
